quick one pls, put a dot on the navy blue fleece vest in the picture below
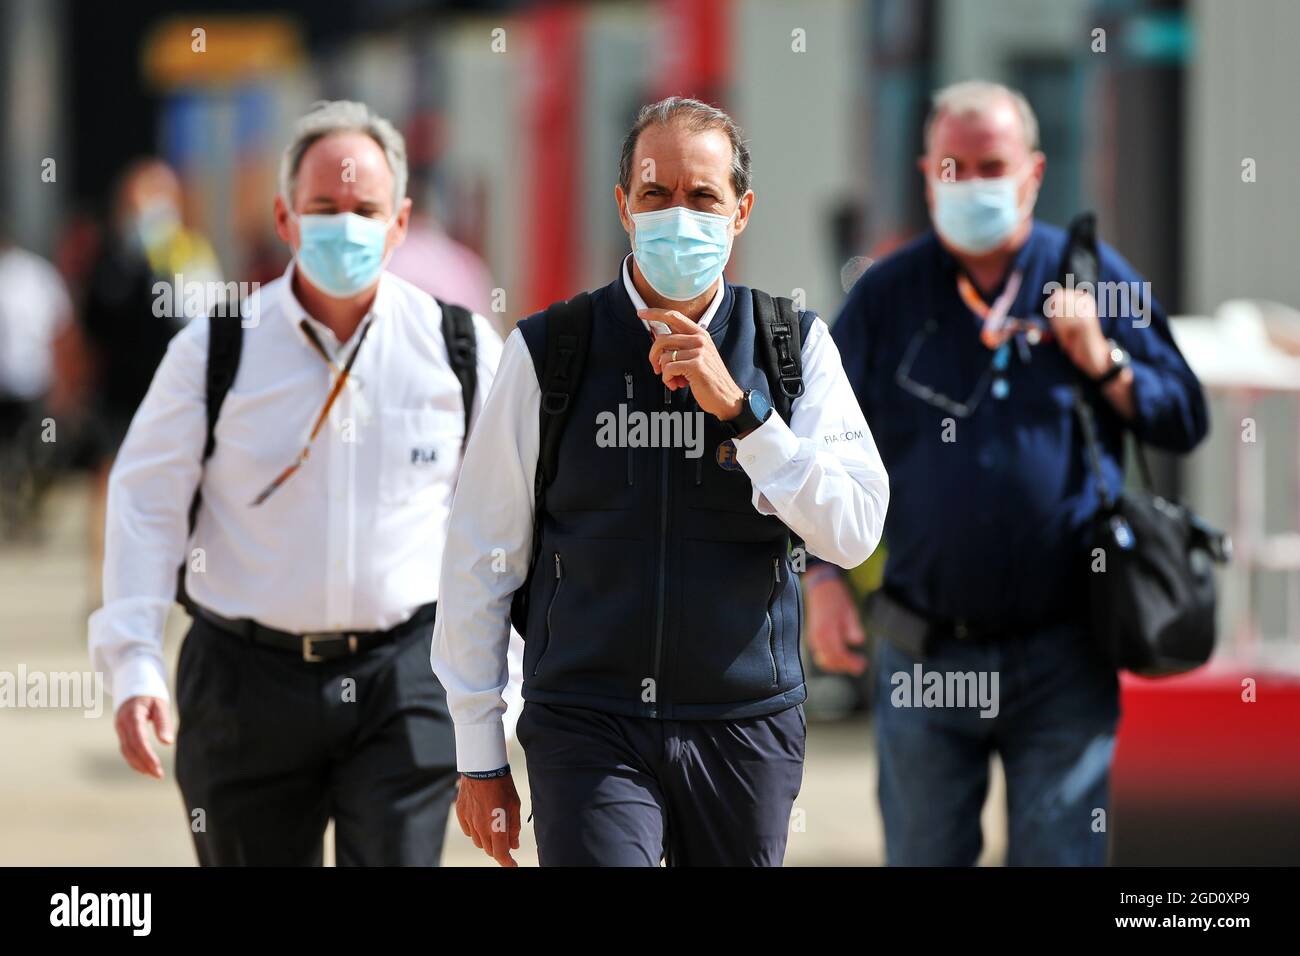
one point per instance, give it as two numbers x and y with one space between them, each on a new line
660 591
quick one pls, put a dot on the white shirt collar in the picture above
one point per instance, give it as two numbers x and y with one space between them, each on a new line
639 303
294 312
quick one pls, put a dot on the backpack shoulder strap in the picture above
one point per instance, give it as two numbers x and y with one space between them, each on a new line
780 346
567 327
568 336
462 349
225 345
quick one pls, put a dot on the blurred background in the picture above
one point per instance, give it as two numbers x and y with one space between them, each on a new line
1177 121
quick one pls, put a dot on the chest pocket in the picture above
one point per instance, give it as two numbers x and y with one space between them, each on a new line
419 449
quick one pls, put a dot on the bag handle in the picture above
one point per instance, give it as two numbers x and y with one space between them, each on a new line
1081 260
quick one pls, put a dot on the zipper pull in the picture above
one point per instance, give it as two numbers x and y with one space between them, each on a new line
557 565
627 379
668 396
776 570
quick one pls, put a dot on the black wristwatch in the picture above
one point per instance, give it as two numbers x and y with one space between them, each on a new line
754 410
1119 360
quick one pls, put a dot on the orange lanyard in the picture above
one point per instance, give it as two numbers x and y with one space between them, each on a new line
997 327
340 381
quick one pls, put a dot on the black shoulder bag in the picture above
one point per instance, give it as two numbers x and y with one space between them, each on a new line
1151 598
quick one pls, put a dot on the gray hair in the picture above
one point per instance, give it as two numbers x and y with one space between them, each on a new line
976 98
698 117
343 116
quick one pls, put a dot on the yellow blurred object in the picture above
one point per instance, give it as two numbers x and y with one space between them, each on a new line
217 49
868 575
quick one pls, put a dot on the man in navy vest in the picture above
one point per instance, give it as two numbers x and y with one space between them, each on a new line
963 348
663 687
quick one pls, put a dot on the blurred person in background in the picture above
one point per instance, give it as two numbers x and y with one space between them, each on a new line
663 716
135 301
303 687
432 260
34 309
987 532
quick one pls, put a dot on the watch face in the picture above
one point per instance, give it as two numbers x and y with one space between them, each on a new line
759 405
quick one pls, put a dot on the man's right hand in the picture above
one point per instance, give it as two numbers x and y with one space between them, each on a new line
132 723
488 811
834 626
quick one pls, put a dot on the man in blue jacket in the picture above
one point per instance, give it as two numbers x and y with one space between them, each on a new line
962 350
663 686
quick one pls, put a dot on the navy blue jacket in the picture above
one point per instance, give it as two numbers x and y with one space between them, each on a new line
660 590
990 525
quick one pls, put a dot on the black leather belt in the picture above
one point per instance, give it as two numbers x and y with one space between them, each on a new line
316 646
917 633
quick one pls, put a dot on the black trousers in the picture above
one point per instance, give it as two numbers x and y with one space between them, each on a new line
271 747
631 791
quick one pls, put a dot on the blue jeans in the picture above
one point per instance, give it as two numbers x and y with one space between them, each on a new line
1052 721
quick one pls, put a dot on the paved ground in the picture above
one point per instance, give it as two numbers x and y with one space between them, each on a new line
66 798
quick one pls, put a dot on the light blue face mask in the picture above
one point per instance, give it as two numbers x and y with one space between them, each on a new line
978 215
341 254
681 252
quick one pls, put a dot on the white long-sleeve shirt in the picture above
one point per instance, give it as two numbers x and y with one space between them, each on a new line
352 541
821 475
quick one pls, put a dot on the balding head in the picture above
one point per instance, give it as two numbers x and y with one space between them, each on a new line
977 99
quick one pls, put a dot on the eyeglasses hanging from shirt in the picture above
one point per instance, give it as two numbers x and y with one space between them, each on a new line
998 331
340 382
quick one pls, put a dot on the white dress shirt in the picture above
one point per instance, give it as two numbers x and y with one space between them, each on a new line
821 475
352 541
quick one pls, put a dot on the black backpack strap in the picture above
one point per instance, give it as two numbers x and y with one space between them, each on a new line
780 345
780 349
225 345
568 336
462 350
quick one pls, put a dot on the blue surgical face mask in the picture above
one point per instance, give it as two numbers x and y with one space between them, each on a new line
341 254
978 215
681 252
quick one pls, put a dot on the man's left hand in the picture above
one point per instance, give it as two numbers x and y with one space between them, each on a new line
1073 314
688 357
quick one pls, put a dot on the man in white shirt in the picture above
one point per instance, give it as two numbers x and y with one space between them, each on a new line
663 690
303 686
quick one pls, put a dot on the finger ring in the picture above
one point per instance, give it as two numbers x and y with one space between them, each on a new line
674 358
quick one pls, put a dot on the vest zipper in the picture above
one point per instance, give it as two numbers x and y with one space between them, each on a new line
627 379
663 566
771 624
699 462
559 579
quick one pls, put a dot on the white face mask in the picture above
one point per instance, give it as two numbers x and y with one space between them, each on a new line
978 215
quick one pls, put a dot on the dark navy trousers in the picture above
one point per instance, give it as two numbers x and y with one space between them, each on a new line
632 791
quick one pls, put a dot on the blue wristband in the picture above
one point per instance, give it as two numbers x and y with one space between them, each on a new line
486 774
819 572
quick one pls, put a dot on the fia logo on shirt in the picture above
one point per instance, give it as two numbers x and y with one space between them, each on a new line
426 455
727 456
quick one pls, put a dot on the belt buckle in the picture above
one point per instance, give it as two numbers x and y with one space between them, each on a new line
309 642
